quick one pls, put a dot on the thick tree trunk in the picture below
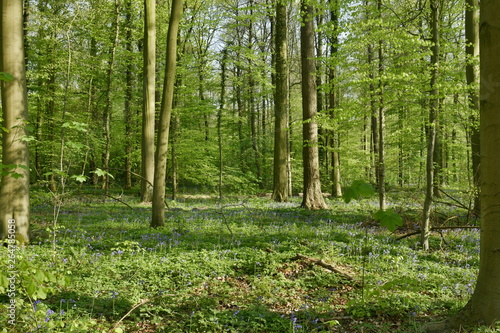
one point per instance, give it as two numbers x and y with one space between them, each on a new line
14 191
484 306
280 184
158 213
148 111
313 197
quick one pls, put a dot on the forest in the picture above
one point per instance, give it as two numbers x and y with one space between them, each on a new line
250 166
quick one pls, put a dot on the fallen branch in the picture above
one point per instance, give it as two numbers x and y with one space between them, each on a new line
337 318
323 264
438 229
144 301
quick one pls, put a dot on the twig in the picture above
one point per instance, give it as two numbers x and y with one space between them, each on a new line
323 264
459 204
225 222
119 200
438 228
144 301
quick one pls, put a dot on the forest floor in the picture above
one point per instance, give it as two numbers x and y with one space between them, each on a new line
237 265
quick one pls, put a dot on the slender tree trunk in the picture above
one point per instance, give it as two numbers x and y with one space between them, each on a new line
128 99
484 305
313 196
158 213
334 142
14 190
432 125
374 119
109 107
472 74
222 103
148 92
280 183
253 116
381 121
174 127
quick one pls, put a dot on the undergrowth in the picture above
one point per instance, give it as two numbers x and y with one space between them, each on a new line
232 266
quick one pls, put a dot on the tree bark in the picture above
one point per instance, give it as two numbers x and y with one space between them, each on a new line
313 197
484 305
128 100
332 98
148 111
222 103
14 190
109 106
280 183
472 75
165 113
432 125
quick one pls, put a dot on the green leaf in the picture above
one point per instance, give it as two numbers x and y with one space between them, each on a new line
79 178
31 289
42 292
4 283
357 190
389 219
39 275
102 173
6 77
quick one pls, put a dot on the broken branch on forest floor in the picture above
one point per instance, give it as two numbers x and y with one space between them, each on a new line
323 264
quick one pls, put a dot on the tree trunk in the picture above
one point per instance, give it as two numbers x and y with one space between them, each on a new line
165 113
108 107
128 99
313 196
280 183
381 121
484 305
432 126
14 191
472 75
148 109
333 139
374 119
222 103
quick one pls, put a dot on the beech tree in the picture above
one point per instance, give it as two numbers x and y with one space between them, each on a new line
433 124
472 75
280 190
148 111
484 305
313 196
14 190
165 113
